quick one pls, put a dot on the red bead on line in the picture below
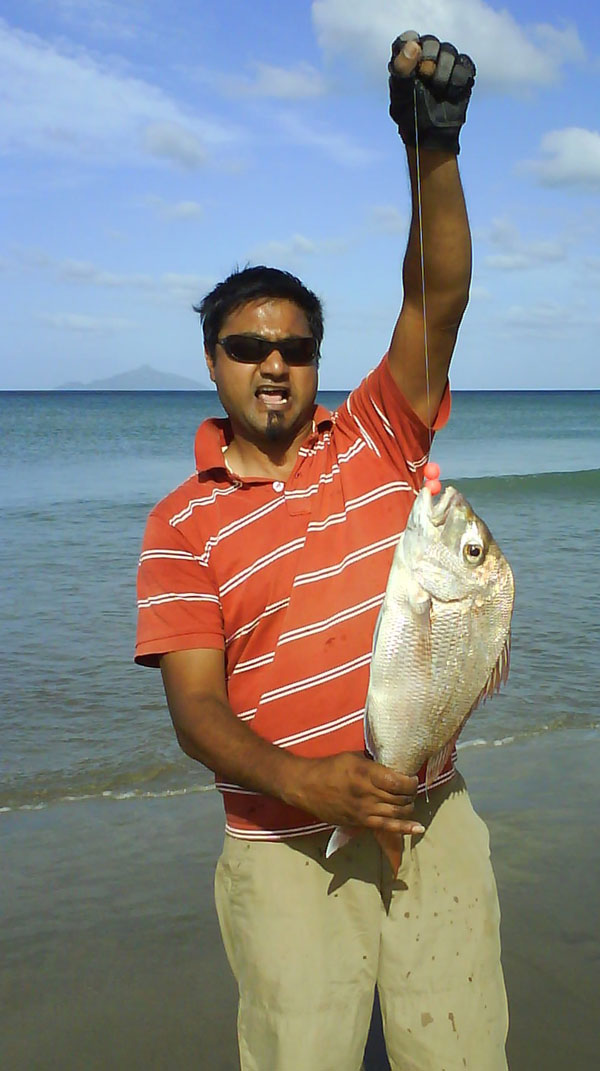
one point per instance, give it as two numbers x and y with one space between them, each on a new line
431 471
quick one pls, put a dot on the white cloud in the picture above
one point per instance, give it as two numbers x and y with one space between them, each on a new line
284 83
569 157
480 293
508 55
290 249
178 287
116 19
83 271
173 287
513 252
544 316
386 219
550 318
335 144
66 103
85 325
172 141
295 248
182 288
183 210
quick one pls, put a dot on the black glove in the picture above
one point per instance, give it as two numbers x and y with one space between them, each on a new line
441 100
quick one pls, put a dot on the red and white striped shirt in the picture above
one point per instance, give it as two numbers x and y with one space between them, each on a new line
288 579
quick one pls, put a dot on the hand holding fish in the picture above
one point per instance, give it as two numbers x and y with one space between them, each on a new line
351 790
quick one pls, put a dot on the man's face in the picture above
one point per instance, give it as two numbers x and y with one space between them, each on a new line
269 402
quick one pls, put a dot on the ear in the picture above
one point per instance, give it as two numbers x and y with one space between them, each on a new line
210 364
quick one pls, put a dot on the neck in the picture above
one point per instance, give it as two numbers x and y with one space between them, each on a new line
272 460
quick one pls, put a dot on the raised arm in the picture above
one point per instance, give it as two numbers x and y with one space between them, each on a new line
443 81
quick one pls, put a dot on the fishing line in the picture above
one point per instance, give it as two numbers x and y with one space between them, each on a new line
423 296
424 300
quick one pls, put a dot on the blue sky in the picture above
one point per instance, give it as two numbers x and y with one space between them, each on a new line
149 148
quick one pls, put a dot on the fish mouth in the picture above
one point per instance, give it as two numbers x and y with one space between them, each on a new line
441 507
432 512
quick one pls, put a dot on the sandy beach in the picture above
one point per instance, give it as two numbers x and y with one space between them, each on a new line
111 955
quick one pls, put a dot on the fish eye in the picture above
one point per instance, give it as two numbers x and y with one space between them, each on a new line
473 552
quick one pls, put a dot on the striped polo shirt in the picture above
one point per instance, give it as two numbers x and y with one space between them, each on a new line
288 579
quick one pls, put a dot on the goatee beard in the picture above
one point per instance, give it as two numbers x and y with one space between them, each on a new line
275 426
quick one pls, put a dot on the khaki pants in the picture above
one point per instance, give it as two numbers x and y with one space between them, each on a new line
309 938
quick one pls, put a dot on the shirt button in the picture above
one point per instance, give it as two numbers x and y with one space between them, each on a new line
278 486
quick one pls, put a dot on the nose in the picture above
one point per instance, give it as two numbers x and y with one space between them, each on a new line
274 364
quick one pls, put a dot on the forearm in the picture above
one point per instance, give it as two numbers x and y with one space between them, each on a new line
339 789
446 241
209 732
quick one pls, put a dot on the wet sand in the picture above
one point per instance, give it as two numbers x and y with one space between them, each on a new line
110 955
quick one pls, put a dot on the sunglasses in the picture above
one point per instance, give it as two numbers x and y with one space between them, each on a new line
252 349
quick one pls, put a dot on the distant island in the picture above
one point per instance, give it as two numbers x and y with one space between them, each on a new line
143 378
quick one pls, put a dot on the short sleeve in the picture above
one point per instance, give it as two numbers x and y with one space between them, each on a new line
380 414
178 602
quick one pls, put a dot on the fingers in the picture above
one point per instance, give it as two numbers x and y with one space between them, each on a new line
464 71
462 78
395 825
390 781
351 790
430 48
443 68
437 63
406 53
393 803
393 811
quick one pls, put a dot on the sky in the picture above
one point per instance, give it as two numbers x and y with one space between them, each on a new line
148 149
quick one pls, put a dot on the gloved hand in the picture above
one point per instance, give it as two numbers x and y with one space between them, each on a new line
443 80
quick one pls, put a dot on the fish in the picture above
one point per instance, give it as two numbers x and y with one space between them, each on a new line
441 645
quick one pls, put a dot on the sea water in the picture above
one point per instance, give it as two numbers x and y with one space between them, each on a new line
80 472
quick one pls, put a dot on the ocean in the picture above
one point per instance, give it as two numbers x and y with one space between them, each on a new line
82 470
110 955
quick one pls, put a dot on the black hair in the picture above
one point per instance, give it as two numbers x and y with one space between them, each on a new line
252 284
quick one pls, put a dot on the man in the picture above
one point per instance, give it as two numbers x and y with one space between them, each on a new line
260 582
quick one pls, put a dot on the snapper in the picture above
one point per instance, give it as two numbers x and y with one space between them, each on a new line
442 640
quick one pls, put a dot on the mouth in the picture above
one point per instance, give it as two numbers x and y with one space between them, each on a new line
440 508
273 398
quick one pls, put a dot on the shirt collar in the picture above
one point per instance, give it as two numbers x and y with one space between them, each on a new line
214 435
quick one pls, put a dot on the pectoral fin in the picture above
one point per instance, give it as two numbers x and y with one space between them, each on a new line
497 677
418 598
499 673
436 763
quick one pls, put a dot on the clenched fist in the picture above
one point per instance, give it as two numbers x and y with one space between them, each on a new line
442 81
